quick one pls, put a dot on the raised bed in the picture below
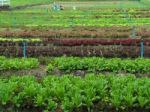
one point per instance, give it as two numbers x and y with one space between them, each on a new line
76 32
75 94
103 51
97 64
79 42
96 41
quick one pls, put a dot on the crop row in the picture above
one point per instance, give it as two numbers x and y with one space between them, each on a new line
96 64
98 14
28 21
19 40
76 42
103 51
102 16
67 18
91 13
71 64
78 32
75 94
17 63
93 41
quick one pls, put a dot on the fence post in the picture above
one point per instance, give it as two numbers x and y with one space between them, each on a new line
142 48
24 49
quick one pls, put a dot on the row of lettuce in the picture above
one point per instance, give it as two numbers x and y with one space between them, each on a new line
62 22
71 64
77 41
17 63
3 39
94 64
96 41
118 32
71 93
41 50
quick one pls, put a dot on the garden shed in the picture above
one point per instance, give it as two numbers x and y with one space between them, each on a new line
4 4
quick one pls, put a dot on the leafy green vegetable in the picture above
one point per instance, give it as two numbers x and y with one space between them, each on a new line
73 93
17 63
94 64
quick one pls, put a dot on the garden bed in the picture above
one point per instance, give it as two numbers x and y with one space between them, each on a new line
75 94
114 32
81 51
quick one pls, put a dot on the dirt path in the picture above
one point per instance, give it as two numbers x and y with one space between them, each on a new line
102 4
37 72
83 4
40 72
25 6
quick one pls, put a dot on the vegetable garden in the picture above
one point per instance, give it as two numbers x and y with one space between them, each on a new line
91 56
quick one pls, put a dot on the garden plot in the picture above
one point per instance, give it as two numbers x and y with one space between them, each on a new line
89 57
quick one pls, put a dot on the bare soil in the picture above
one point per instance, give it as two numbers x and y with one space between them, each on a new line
37 72
41 72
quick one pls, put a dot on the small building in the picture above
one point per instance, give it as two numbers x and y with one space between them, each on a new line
4 4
